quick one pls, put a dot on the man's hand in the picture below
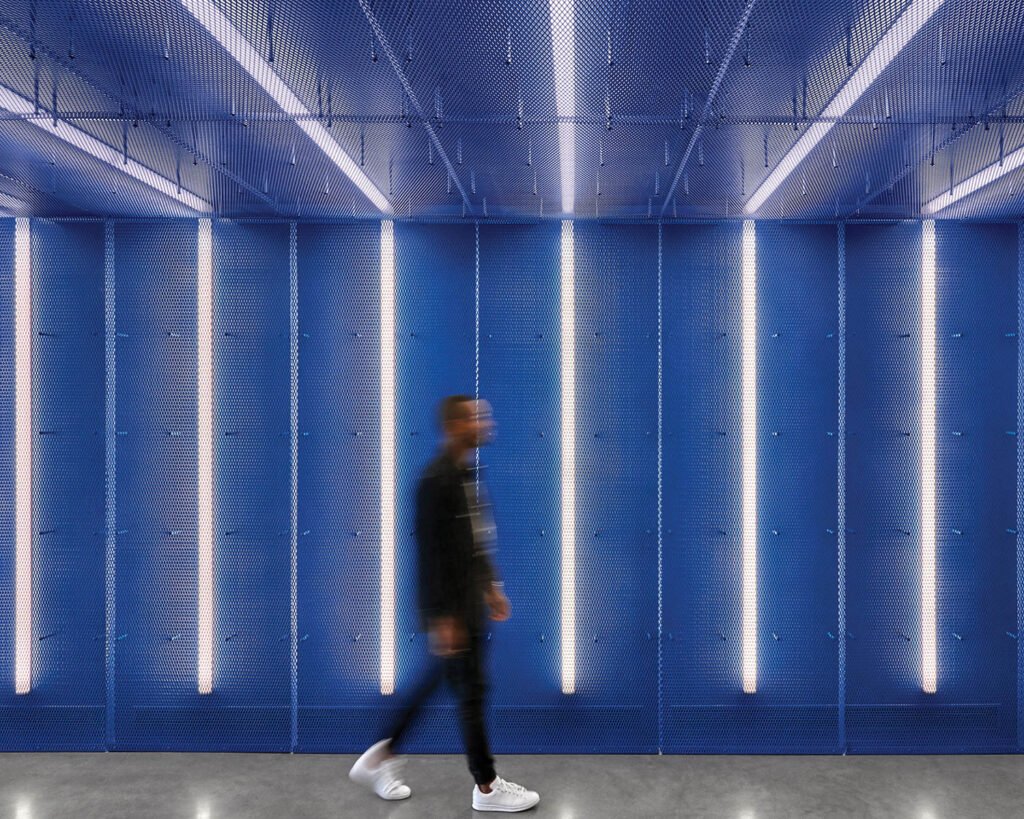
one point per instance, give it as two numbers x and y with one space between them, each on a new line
498 603
447 637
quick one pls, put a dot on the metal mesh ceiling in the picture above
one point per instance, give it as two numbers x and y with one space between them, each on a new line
449 107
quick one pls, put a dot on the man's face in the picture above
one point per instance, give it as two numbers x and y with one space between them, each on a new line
476 427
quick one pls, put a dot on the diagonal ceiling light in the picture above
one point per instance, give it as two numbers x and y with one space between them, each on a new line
563 47
18 104
895 40
8 204
242 51
986 176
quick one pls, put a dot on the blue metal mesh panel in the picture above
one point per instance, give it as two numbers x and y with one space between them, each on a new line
974 706
680 108
797 487
517 345
702 482
68 520
885 701
339 486
519 374
251 490
157 699
615 706
435 307
66 706
976 470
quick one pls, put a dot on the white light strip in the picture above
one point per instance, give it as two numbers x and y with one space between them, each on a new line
984 177
23 454
204 446
242 51
568 301
749 387
103 152
928 628
11 205
895 40
387 457
563 46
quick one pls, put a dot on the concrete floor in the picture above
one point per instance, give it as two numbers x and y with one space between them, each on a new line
265 786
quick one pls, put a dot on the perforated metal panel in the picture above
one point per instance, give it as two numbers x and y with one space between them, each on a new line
339 486
680 108
797 459
702 484
69 534
435 356
657 485
615 704
158 703
251 488
519 374
976 268
975 444
64 708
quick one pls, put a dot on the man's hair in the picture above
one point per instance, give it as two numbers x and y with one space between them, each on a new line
452 408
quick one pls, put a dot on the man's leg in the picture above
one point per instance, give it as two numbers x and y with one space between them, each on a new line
428 682
378 769
467 677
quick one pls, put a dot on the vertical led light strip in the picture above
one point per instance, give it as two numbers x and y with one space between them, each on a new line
928 628
204 451
293 333
387 457
1020 486
841 483
749 388
23 454
563 47
661 487
568 301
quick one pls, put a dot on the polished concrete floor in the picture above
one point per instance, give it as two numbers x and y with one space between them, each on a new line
264 786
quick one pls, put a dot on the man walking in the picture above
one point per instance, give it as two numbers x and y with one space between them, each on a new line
458 586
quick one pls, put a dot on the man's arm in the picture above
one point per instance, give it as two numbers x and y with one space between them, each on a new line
434 601
438 580
494 589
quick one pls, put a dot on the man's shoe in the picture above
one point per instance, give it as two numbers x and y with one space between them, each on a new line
505 797
380 775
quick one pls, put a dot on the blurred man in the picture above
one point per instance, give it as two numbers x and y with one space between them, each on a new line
458 587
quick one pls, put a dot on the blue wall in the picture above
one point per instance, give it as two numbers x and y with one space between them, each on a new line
658 484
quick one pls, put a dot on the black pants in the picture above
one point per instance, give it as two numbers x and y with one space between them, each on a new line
465 674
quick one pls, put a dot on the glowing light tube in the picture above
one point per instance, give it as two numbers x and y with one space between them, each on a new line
749 387
23 455
928 628
568 585
105 153
241 50
204 454
984 177
387 457
563 46
12 206
895 40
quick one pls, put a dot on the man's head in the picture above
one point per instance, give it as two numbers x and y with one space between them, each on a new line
467 423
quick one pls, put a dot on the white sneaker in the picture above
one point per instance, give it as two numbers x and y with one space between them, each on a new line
505 797
380 775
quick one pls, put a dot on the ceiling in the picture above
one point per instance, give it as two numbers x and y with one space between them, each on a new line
449 108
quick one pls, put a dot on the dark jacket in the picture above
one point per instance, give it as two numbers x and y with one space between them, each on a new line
454 569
